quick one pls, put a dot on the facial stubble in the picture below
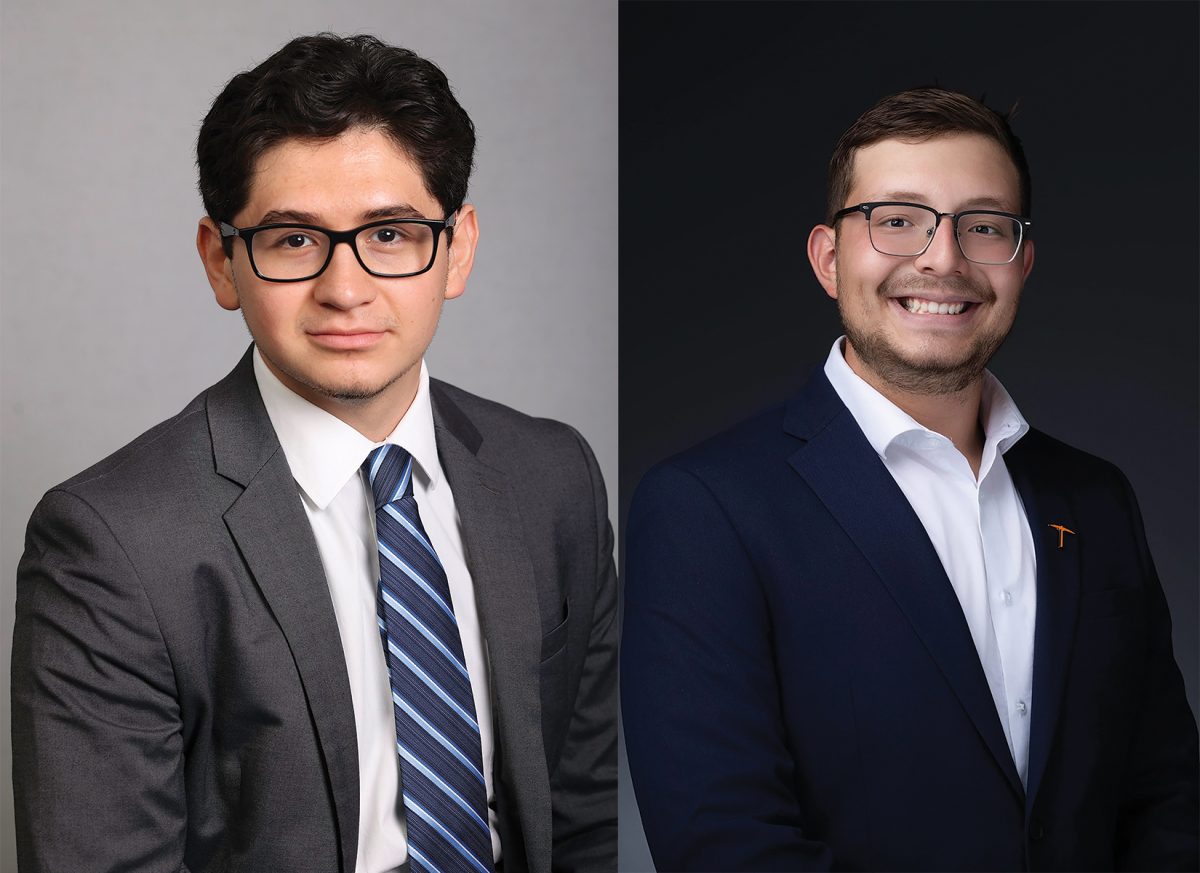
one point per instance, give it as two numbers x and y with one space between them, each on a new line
929 376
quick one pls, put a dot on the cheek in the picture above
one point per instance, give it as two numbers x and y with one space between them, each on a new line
864 287
268 314
1008 293
420 306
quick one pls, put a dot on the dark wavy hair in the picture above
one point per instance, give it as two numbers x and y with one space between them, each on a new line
317 87
916 115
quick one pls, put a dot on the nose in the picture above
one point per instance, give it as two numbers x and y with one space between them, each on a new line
344 284
943 257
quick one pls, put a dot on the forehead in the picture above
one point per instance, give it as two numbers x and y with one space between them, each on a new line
946 171
356 171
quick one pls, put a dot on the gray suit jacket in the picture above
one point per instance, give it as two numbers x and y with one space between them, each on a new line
180 699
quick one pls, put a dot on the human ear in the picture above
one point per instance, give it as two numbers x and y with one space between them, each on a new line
217 265
822 254
461 250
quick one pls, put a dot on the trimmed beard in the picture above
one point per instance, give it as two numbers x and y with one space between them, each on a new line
924 377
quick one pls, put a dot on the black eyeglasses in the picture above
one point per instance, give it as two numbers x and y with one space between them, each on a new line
391 248
905 230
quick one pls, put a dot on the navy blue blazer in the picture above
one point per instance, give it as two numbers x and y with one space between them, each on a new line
800 690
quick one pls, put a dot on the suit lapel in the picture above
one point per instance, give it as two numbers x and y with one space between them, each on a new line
847 475
503 578
1057 598
273 533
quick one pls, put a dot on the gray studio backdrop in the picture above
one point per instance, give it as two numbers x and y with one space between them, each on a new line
107 324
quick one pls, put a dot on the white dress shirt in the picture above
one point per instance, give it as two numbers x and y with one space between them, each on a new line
325 455
977 526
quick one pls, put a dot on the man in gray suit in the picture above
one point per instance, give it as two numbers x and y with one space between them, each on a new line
334 615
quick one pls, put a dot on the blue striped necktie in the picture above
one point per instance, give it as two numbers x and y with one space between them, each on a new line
437 734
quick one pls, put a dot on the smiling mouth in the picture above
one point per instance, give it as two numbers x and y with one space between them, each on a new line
918 306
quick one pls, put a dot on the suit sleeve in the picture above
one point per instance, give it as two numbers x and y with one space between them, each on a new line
97 744
584 783
1159 810
703 728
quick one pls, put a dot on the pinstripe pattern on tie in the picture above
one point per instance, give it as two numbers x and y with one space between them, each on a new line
437 735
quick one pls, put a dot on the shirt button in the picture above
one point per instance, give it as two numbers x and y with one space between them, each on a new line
1021 707
1007 598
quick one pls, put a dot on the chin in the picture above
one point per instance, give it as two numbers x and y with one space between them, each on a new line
925 370
354 390
938 360
347 388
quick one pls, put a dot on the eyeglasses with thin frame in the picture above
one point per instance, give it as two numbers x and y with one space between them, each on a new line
905 230
392 248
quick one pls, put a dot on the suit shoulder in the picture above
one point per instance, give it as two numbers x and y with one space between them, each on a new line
159 454
754 444
550 466
734 469
1052 459
136 495
503 431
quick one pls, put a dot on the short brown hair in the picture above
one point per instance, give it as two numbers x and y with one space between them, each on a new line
920 114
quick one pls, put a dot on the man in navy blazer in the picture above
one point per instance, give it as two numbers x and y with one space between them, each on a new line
886 625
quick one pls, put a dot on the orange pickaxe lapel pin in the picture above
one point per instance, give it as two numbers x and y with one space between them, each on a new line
1061 532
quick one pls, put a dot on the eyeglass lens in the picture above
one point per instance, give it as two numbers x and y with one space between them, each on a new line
905 231
397 249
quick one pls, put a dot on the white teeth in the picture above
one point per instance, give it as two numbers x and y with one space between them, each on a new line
928 307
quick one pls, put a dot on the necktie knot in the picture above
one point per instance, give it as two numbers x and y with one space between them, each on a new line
389 469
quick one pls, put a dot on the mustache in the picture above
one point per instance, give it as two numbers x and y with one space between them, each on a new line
952 286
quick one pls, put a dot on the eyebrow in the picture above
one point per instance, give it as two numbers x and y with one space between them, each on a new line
296 216
973 203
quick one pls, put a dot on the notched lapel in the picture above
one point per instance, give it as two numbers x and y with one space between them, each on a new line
847 475
1057 600
274 536
506 595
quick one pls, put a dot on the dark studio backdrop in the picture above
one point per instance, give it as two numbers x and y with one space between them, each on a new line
728 115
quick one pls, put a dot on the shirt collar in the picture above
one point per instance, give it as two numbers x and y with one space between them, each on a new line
323 451
1003 423
883 423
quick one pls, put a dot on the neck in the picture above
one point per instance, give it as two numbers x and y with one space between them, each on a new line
954 415
372 418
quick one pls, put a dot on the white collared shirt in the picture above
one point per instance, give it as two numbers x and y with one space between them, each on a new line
977 526
325 455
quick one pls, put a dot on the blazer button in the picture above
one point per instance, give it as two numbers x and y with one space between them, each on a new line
1037 831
